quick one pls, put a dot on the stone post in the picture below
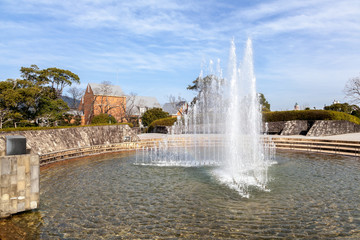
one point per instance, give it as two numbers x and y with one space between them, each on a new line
19 183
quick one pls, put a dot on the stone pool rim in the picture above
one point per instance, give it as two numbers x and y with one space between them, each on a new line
293 143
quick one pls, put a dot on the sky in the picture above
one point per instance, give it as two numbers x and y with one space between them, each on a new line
304 51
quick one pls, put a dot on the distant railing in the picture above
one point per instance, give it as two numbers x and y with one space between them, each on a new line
350 148
84 152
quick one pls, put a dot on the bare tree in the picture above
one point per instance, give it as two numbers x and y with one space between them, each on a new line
75 94
352 89
176 102
104 92
129 107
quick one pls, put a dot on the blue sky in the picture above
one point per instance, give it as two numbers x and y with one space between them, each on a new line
304 51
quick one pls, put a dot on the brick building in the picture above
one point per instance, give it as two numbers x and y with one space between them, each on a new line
102 98
138 105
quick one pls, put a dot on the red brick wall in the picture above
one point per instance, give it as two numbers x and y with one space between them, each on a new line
117 106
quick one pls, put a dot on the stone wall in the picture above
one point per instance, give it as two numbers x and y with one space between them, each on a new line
45 141
19 183
295 127
273 128
326 128
311 128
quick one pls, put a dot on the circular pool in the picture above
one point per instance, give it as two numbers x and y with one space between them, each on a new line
311 196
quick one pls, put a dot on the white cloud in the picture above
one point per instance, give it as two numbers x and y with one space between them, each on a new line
296 42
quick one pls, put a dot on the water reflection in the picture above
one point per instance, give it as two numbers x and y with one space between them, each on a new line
312 196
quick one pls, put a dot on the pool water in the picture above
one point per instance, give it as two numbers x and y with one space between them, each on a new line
311 196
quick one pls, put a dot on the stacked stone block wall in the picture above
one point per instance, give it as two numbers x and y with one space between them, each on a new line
273 128
326 128
19 179
311 128
45 141
296 127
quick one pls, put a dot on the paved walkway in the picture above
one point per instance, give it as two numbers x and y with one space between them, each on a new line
145 136
343 137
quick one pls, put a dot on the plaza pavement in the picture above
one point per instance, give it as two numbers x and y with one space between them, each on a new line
340 137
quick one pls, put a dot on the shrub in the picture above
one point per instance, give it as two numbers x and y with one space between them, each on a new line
103 118
169 121
25 123
308 115
152 115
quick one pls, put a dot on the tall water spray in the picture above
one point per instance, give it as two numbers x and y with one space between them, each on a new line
222 128
246 161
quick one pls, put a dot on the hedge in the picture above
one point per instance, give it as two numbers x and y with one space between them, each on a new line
308 115
58 127
169 121
103 118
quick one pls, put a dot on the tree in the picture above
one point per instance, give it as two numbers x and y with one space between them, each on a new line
35 97
128 106
342 107
264 103
205 85
102 99
50 110
174 101
34 75
55 77
200 83
177 103
9 101
352 89
60 78
75 94
153 114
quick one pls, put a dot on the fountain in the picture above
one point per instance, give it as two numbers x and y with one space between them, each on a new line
221 128
218 148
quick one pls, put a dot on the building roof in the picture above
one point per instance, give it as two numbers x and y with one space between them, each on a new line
75 112
173 108
104 90
141 102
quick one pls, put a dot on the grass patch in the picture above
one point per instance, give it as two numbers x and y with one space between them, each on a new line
58 127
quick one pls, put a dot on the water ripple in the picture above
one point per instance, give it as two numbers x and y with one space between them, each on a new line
312 196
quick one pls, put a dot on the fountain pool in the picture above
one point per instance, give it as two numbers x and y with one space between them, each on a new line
311 196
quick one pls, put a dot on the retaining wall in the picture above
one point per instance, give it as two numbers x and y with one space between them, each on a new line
52 140
19 174
327 128
296 127
311 128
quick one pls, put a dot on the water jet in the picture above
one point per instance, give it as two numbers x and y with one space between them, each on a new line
221 127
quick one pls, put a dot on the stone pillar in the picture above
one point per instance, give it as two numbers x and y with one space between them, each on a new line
19 183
